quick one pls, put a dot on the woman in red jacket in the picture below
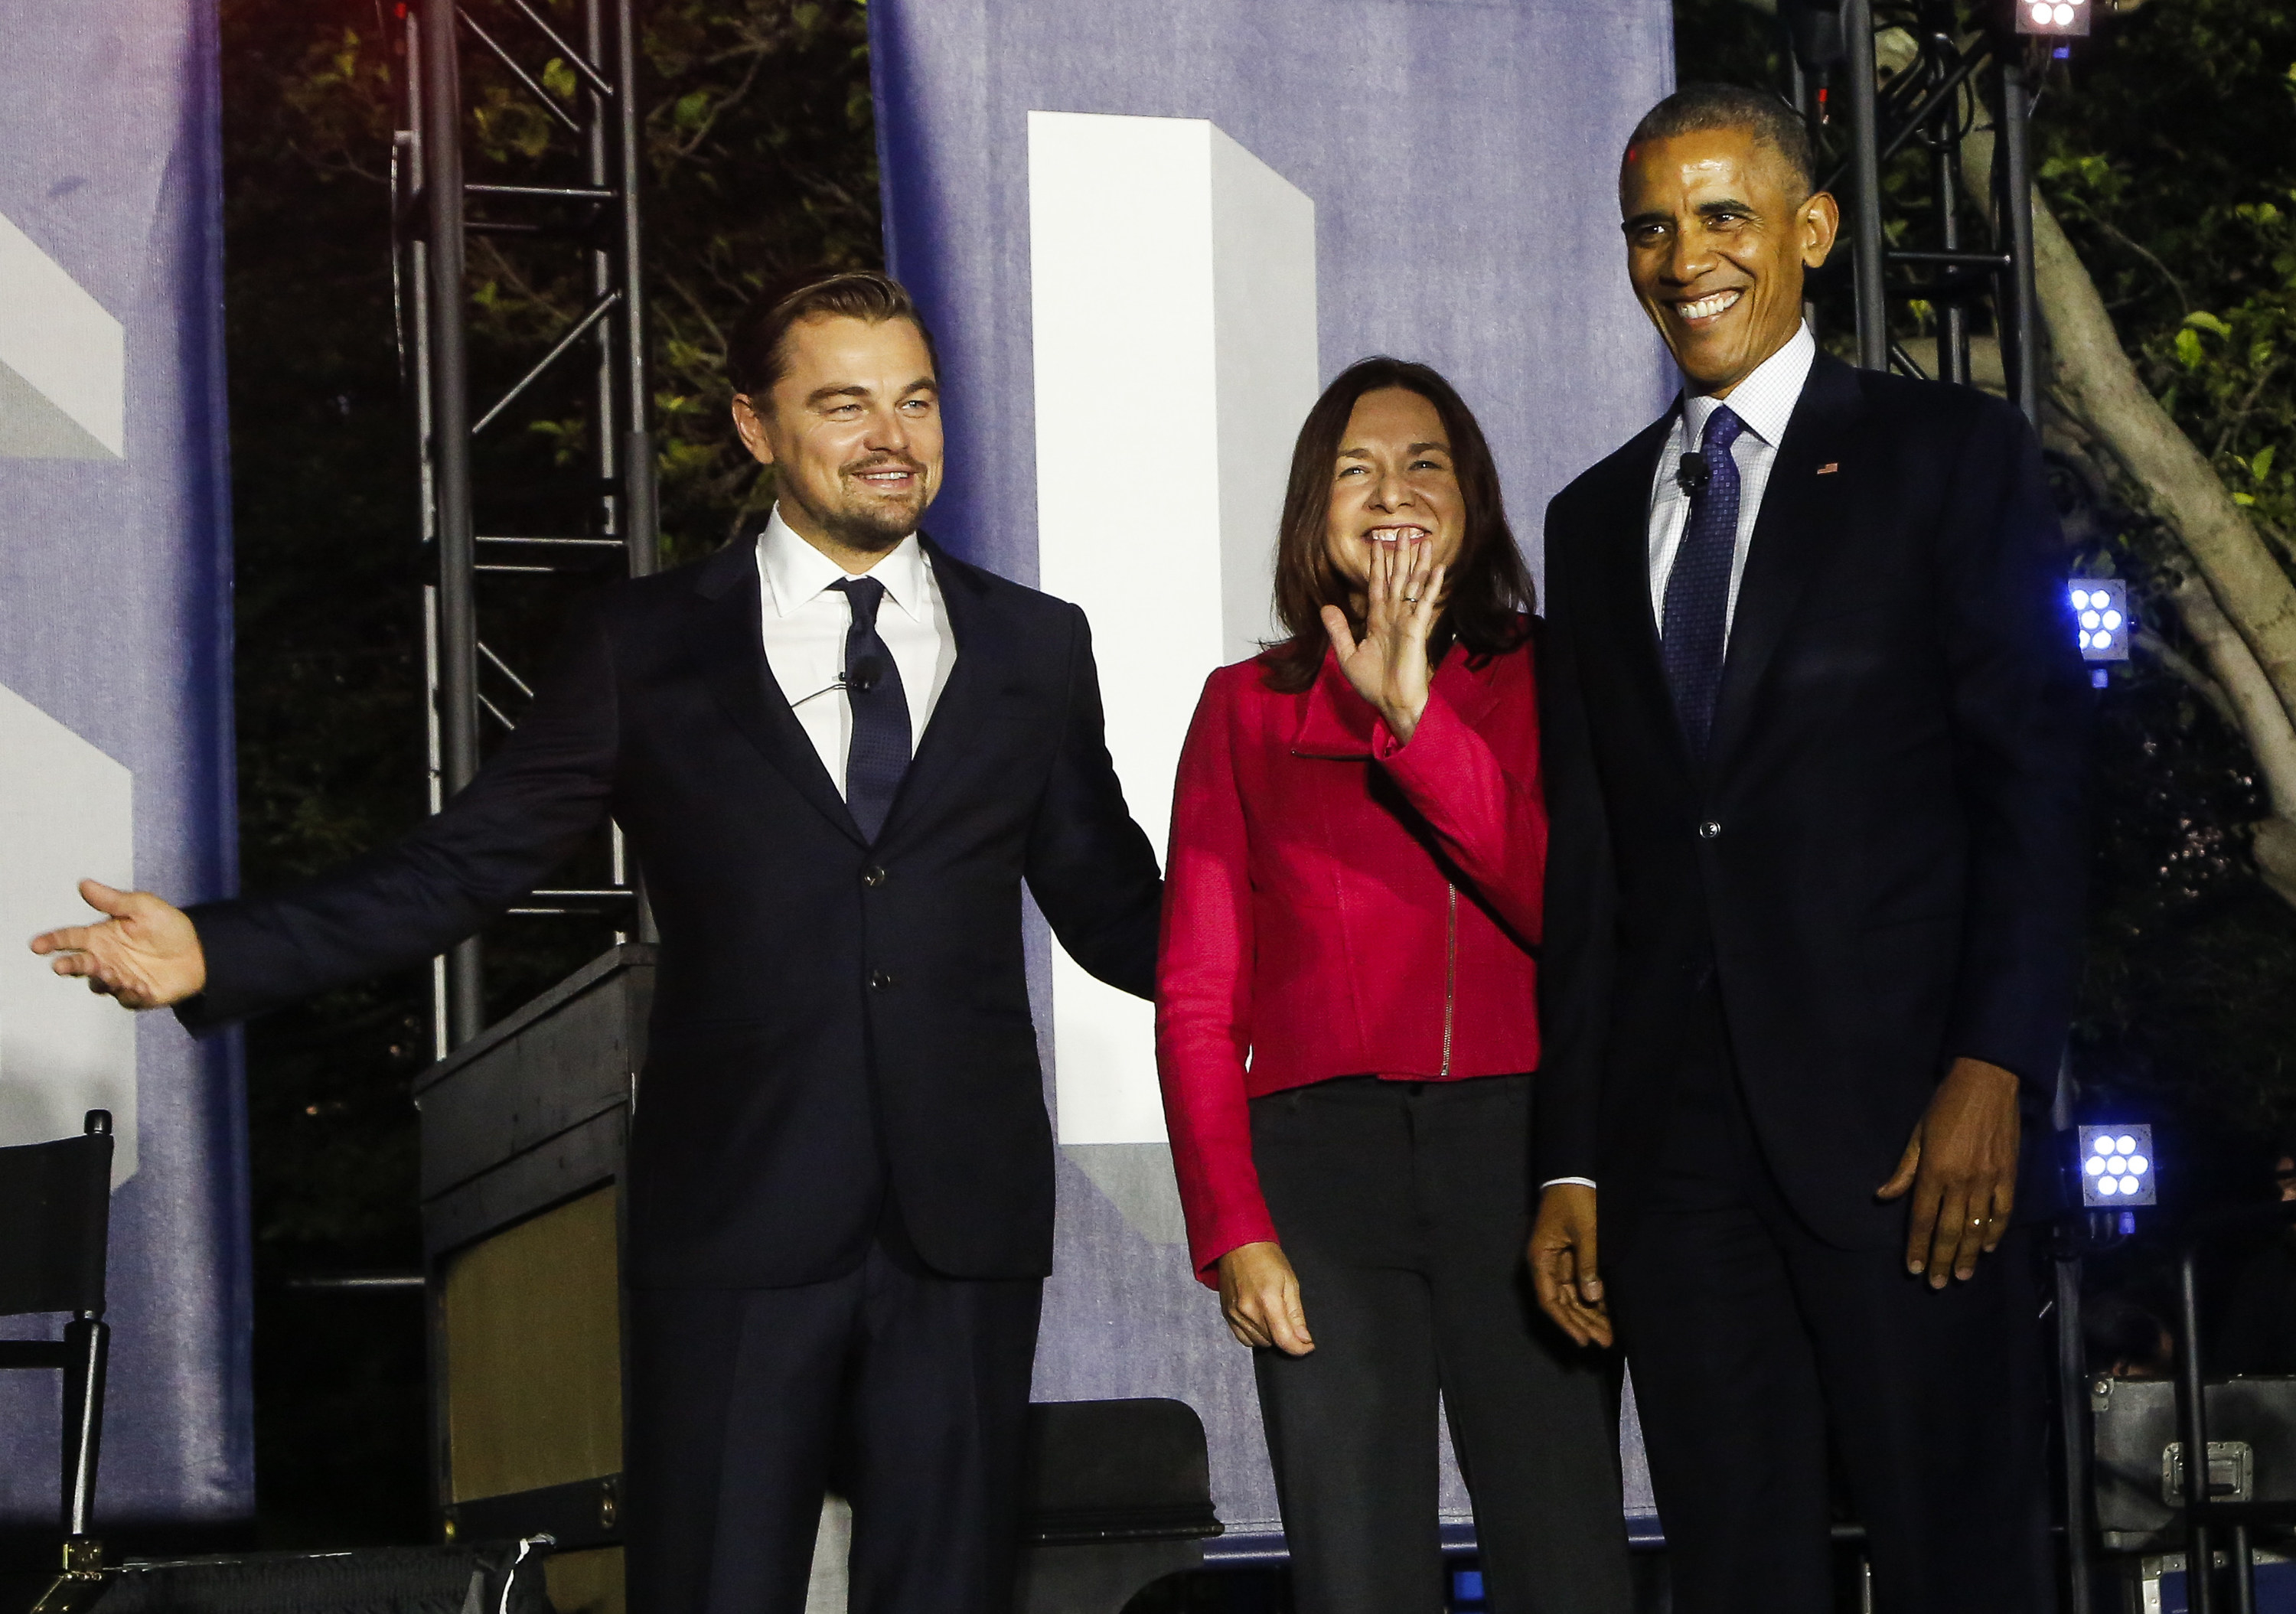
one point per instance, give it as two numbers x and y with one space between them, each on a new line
1346 1026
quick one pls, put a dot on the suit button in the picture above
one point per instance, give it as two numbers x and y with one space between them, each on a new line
872 877
881 978
1710 829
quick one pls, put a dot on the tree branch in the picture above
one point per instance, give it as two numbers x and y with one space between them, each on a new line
2270 735
2169 656
2247 407
2184 303
2096 383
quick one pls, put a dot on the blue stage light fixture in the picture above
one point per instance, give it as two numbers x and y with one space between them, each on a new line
2116 1167
2101 621
2052 17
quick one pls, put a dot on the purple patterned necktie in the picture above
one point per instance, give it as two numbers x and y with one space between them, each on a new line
1698 588
879 754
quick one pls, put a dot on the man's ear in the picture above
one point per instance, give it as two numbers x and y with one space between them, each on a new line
1821 222
751 429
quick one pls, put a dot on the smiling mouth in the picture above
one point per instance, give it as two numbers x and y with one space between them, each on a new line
886 478
1396 534
1712 306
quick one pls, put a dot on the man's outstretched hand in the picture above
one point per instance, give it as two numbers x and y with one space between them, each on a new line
1961 1166
145 952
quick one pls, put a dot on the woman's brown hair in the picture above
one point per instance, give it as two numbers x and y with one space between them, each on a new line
1491 588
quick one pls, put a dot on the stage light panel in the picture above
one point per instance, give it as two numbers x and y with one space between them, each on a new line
2052 17
2101 621
2116 1165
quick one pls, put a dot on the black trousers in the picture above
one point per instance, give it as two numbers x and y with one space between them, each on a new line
1404 1206
906 1392
1754 1346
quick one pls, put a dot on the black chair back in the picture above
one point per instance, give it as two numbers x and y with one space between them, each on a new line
56 1214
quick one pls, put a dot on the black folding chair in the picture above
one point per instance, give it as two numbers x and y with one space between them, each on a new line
55 1214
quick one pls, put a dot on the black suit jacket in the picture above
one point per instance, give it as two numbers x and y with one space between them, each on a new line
1880 863
832 1020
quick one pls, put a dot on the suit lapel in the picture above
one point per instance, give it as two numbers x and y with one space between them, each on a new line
1792 540
964 604
1336 724
1618 571
744 682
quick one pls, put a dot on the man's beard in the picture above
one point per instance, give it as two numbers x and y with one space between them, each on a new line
873 525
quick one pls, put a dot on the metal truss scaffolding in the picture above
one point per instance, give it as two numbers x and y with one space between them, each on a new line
1962 68
570 71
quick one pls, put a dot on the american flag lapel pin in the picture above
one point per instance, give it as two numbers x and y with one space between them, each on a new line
1829 468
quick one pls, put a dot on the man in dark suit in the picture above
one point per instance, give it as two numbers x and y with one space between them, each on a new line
839 754
1812 722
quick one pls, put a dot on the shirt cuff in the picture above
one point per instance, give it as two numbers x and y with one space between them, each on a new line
1551 1182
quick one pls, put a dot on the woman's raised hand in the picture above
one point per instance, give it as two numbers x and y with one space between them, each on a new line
1389 665
1259 1295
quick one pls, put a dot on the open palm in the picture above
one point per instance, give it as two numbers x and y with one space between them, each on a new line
1387 665
145 952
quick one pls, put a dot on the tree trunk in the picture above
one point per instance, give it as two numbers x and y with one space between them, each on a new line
2241 608
2269 732
2096 384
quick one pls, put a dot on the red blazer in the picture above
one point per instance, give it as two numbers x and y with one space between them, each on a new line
1336 904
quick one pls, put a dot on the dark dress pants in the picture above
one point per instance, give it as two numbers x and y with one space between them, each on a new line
1404 1208
1751 1342
904 1391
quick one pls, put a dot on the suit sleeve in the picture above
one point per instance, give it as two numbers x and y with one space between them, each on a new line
1578 960
1487 808
1204 993
2019 708
525 813
1091 869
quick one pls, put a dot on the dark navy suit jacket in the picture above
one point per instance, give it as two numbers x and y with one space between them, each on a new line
1880 863
832 1020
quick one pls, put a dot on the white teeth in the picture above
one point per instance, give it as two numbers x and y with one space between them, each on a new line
1707 306
1390 535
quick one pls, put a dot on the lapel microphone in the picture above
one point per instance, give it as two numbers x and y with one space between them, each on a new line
1694 474
867 673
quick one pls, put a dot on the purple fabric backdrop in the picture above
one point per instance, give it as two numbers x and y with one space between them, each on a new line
115 623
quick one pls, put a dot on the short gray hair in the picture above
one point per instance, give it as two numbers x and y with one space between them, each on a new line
1696 109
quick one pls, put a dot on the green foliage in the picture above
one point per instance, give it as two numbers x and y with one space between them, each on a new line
2171 157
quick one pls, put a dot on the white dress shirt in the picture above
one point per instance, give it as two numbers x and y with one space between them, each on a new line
805 618
1765 401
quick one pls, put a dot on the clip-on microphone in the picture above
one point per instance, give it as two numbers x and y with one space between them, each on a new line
860 681
1694 474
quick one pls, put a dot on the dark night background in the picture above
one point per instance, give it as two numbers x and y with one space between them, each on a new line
2176 128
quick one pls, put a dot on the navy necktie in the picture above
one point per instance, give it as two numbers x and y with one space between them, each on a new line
1698 589
880 752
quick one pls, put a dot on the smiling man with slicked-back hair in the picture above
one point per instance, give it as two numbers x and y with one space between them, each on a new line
839 754
1813 725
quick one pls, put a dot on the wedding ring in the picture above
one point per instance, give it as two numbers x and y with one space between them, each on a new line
1411 599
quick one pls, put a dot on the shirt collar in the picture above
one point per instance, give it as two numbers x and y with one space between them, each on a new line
1764 400
796 573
